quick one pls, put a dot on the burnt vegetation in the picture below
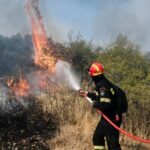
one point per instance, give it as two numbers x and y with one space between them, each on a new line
26 127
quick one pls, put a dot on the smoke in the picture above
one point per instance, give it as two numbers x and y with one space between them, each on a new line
130 17
36 12
16 54
55 28
3 97
66 75
11 105
13 18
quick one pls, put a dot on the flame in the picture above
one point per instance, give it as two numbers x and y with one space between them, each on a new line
43 54
18 88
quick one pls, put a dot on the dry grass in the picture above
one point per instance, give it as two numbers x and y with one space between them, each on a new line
78 121
66 121
74 137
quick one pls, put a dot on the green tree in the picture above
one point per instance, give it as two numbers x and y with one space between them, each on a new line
80 53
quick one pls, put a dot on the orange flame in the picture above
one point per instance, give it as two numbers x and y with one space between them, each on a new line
43 54
18 88
39 38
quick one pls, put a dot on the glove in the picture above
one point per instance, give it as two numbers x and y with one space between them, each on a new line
117 117
95 104
82 93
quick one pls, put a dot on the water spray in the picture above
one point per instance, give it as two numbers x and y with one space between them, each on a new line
66 75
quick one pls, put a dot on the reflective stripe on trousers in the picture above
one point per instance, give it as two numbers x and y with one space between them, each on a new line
99 148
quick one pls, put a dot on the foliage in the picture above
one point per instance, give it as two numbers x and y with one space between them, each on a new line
127 67
80 53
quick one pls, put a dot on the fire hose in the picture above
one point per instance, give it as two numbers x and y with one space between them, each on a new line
119 129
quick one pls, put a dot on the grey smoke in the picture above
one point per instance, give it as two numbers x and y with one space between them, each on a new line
129 17
13 19
9 105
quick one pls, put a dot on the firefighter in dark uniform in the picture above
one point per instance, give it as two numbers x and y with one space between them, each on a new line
104 99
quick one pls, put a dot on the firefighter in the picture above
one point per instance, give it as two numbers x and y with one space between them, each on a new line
103 98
